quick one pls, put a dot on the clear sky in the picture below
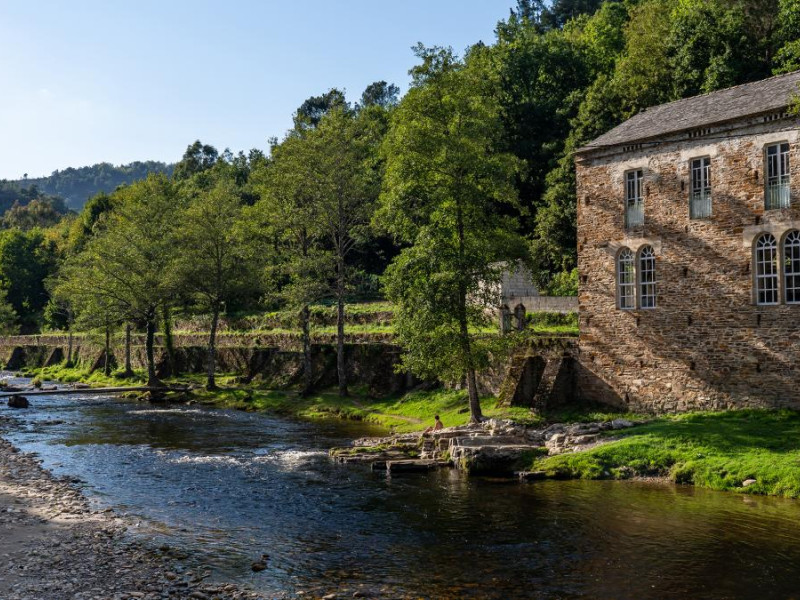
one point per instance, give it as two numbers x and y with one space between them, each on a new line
87 81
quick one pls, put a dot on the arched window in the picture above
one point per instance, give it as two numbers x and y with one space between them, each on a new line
766 271
791 267
626 280
647 277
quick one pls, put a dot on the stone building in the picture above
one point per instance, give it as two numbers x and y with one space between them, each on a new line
689 254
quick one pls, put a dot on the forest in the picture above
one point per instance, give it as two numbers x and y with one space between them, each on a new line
76 185
414 199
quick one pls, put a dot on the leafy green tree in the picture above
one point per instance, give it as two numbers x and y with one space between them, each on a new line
286 219
218 262
37 213
344 188
444 173
27 259
9 321
126 271
198 157
564 283
787 58
311 111
380 94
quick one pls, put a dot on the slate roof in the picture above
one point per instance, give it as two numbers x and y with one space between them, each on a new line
738 102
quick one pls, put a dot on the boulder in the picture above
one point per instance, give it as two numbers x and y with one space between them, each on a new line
17 401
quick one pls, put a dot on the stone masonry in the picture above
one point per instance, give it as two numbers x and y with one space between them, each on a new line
707 344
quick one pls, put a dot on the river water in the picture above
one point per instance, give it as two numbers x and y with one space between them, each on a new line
227 487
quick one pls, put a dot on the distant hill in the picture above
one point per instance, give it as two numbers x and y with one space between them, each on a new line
76 186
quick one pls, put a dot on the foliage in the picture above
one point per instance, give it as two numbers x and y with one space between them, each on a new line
37 213
444 171
27 259
564 283
311 111
198 157
218 261
126 271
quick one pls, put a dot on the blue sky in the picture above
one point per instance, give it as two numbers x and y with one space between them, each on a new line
90 81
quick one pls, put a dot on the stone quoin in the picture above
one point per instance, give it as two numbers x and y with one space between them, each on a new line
689 254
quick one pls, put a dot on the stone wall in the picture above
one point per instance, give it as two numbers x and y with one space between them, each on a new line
551 304
706 345
369 365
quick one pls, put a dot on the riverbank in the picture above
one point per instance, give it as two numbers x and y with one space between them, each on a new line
747 451
401 413
54 546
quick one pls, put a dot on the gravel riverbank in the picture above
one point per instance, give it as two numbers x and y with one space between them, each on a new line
53 546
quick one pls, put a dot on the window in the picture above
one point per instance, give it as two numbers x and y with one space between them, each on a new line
700 194
626 278
791 267
766 269
777 176
647 277
634 203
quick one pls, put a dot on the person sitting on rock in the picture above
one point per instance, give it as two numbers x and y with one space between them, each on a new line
437 425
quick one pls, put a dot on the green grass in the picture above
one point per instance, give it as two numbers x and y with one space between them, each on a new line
82 373
401 413
713 450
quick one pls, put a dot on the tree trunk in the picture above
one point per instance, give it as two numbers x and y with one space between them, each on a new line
169 344
308 366
475 414
128 369
212 350
341 365
152 380
107 358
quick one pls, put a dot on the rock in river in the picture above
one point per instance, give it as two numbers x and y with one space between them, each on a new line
17 401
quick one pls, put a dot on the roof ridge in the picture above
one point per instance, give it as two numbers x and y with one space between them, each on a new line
733 87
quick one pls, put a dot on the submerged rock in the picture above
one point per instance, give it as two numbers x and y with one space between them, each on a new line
17 401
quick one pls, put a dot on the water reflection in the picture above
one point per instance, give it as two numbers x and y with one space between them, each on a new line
231 486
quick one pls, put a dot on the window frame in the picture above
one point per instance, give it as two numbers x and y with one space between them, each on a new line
647 283
638 201
778 184
705 194
626 290
792 236
758 277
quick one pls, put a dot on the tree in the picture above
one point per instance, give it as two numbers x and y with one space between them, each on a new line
198 157
27 259
444 175
311 111
37 213
218 261
8 317
380 94
126 271
285 218
344 188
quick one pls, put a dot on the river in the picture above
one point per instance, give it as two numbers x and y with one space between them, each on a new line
227 487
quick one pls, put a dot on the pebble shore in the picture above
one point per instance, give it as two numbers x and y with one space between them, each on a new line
53 546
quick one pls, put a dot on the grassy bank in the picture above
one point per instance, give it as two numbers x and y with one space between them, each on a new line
714 450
